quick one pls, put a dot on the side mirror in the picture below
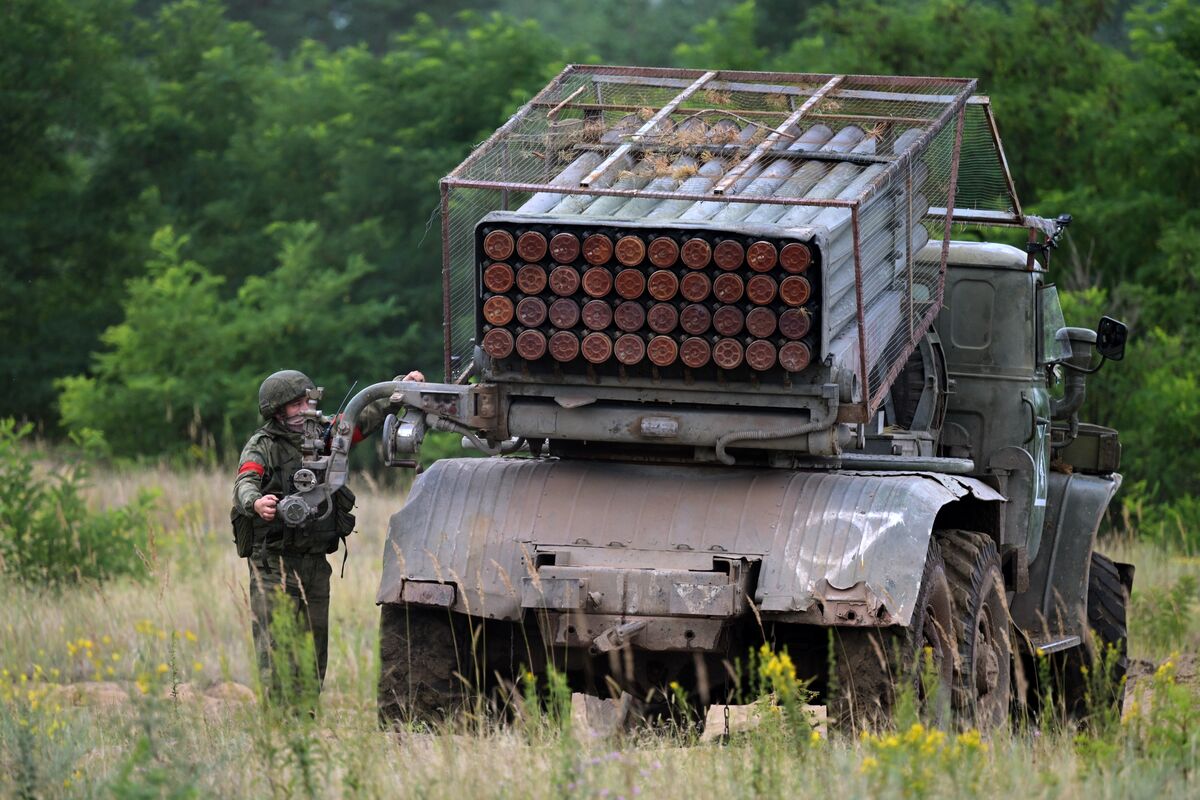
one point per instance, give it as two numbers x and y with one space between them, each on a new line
1110 338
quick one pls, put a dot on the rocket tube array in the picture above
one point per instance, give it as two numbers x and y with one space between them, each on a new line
884 236
578 296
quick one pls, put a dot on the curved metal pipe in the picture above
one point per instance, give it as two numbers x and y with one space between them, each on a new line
1074 393
823 419
343 434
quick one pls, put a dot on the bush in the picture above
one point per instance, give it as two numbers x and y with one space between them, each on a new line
49 535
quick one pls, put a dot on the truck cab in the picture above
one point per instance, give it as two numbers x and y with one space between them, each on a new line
1006 344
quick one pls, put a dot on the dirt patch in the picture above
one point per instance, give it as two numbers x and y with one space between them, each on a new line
111 695
224 697
232 692
94 694
186 693
1141 671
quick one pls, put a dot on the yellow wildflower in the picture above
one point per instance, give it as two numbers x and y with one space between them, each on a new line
163 668
971 739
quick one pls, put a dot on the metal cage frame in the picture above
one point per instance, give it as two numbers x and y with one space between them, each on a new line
804 92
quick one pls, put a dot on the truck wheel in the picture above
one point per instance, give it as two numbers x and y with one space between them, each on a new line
867 670
983 683
418 675
1107 600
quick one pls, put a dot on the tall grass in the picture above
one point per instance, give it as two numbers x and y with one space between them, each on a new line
171 720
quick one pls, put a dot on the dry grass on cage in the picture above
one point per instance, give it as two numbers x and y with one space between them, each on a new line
717 98
684 171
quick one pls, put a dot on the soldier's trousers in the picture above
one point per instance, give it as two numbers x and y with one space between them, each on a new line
298 586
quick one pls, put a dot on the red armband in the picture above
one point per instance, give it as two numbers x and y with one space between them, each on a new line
250 466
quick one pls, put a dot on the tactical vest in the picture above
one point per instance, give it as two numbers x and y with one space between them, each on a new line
315 536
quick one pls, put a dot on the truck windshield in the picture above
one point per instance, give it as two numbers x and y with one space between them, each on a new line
1055 345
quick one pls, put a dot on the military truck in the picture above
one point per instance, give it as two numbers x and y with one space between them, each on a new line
737 384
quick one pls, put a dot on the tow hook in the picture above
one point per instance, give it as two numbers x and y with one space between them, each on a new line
617 636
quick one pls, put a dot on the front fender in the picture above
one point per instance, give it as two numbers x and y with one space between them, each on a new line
1055 606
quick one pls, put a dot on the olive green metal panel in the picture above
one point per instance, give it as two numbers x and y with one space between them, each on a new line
998 408
1055 605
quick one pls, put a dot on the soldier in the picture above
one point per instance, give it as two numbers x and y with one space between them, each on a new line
289 562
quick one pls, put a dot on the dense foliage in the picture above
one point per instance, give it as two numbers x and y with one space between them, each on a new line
193 195
49 535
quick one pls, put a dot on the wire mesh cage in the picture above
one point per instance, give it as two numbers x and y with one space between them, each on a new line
866 172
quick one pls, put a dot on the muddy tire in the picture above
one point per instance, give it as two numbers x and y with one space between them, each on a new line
1107 602
419 665
873 662
983 680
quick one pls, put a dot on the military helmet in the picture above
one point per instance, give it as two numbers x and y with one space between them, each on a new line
281 388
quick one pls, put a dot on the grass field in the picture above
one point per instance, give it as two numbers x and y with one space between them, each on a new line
139 689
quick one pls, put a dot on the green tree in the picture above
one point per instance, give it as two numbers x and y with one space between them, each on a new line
359 141
1038 61
62 263
121 127
183 367
239 153
727 41
1144 174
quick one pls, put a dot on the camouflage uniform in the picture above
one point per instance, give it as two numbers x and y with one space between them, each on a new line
291 559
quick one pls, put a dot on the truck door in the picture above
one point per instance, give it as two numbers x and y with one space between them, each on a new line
1053 347
998 410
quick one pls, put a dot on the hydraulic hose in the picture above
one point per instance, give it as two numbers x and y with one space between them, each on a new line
825 417
450 426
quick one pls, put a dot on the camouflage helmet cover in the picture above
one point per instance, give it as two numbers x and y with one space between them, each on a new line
281 388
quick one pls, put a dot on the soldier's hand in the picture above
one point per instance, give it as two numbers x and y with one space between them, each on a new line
265 506
415 375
